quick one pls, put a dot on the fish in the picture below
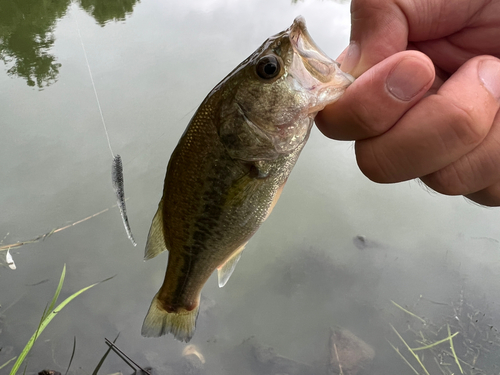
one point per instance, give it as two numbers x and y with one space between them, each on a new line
229 168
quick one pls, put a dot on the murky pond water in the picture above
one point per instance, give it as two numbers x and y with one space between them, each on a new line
335 252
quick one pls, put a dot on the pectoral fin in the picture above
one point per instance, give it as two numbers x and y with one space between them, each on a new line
156 238
225 270
275 200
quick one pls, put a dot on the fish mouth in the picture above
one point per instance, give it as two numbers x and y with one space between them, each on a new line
312 67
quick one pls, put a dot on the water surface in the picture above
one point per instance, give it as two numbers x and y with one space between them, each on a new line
153 62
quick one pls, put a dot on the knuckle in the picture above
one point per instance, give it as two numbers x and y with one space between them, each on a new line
455 179
489 196
361 117
371 117
374 164
465 127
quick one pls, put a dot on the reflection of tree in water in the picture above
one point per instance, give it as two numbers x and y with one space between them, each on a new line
105 10
26 33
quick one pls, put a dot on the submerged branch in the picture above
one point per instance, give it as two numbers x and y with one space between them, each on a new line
51 232
125 357
408 312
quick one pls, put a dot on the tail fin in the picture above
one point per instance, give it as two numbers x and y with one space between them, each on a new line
158 322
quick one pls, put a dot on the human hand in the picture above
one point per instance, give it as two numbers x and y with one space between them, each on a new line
426 103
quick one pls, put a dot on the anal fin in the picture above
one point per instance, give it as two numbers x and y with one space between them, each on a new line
225 270
156 238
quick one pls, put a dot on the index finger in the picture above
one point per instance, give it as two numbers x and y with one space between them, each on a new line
381 28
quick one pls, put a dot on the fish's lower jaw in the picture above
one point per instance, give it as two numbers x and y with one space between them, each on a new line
159 322
330 92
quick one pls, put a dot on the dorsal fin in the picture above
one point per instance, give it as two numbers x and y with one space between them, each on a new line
156 238
225 270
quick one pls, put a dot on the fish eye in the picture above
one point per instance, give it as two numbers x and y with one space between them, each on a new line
268 67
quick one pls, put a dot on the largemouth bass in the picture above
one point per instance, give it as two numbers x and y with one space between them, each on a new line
229 168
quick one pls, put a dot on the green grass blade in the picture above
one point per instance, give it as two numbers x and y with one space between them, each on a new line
404 359
35 336
98 367
58 291
47 319
408 312
6 363
453 349
435 343
410 350
72 355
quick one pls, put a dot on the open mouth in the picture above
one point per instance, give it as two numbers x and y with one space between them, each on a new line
317 63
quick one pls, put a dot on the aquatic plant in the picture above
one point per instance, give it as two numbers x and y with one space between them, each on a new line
48 314
471 350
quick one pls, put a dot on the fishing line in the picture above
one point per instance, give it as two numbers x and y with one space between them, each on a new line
117 167
93 86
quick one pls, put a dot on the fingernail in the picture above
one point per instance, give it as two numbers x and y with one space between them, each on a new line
489 73
351 59
407 79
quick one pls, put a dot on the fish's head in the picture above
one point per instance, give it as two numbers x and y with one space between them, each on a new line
271 98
